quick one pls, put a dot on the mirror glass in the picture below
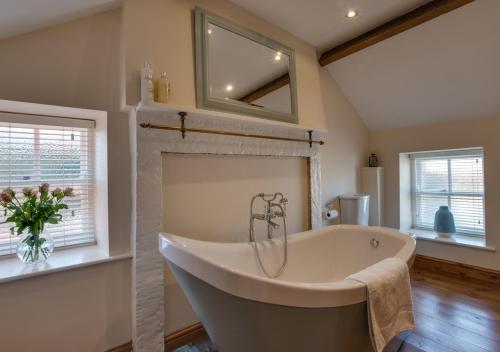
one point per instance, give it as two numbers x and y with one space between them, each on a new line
242 71
247 72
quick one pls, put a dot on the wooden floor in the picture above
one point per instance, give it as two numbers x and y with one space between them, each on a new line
453 314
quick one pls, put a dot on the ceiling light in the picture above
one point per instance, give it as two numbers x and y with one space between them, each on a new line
277 58
209 31
351 14
229 88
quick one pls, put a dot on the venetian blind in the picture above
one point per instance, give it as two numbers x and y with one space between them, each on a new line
453 178
60 152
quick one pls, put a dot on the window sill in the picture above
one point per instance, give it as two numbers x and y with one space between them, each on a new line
12 268
457 240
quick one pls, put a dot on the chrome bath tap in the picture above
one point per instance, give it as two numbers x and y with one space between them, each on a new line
275 208
272 210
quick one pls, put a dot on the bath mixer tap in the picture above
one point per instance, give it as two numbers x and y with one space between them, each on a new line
272 210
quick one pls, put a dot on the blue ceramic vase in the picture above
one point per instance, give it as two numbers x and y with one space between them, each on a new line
444 223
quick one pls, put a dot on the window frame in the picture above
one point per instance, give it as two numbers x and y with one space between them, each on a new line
448 154
54 133
40 114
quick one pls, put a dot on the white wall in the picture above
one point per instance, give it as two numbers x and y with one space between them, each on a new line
453 135
74 64
207 197
345 150
82 310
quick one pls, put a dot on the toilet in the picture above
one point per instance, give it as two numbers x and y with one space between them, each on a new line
354 209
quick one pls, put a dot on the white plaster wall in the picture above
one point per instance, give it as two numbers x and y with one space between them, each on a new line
73 64
452 135
81 310
346 143
405 216
207 197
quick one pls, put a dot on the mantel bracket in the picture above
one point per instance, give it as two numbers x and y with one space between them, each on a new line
183 115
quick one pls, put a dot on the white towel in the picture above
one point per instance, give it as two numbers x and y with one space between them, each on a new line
390 309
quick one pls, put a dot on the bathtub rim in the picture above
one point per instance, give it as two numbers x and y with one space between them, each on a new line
176 249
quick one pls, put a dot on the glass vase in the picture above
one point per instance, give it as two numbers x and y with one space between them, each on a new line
35 249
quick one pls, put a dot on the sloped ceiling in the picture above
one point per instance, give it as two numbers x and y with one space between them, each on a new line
323 23
443 70
20 16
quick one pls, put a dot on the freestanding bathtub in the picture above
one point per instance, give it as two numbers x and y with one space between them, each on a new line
310 307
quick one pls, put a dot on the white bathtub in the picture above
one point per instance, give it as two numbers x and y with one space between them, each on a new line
309 307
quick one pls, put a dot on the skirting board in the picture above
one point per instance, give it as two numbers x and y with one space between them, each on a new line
183 336
459 270
173 340
126 347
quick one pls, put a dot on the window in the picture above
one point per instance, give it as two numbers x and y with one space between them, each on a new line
453 178
61 153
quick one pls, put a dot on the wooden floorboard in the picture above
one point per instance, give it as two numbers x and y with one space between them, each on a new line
452 314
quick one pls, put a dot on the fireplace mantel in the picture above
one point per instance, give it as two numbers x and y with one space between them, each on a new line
212 116
148 145
192 120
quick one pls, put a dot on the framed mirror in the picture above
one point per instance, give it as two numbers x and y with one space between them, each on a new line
242 71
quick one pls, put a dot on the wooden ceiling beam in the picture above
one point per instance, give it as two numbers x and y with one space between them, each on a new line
398 25
267 88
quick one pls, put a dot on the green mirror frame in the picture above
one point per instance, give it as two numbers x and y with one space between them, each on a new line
203 98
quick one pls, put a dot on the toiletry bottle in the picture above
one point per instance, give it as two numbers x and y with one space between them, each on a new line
147 84
163 88
373 160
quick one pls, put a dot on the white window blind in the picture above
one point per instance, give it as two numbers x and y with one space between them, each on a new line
453 178
60 152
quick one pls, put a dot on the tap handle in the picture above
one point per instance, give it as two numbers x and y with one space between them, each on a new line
284 202
274 225
259 216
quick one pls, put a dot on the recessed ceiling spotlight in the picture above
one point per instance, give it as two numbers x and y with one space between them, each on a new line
277 57
351 14
209 31
229 87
